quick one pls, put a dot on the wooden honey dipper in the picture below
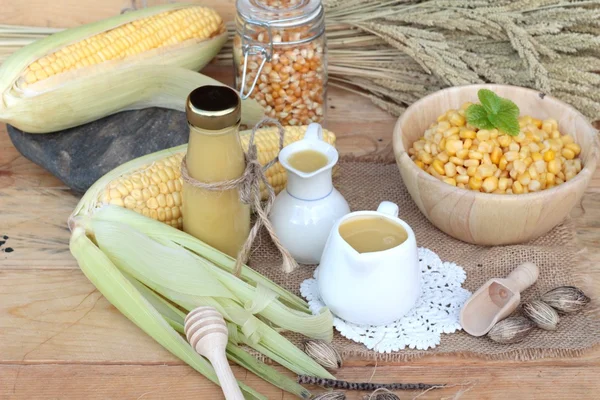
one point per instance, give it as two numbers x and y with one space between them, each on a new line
207 333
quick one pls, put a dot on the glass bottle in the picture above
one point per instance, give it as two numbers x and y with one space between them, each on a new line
279 56
215 154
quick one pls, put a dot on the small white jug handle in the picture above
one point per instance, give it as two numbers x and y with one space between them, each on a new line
314 132
388 208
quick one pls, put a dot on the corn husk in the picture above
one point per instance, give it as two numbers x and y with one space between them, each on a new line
161 77
176 317
127 299
189 275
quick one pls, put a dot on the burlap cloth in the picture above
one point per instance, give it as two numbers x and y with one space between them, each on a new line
366 183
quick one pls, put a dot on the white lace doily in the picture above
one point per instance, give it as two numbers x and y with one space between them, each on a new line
436 312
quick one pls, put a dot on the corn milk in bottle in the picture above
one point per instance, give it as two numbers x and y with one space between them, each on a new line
215 154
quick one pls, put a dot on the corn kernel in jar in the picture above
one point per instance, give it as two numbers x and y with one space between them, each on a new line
538 158
281 43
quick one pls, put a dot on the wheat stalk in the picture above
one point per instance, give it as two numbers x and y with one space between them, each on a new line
550 45
396 51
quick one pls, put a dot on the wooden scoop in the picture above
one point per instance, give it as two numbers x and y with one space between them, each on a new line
496 300
207 332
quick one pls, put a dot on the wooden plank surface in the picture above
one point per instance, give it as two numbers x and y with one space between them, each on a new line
60 339
161 382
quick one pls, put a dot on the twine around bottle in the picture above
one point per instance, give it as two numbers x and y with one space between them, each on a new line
249 188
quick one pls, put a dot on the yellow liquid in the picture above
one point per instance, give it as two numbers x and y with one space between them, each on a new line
218 218
307 160
369 234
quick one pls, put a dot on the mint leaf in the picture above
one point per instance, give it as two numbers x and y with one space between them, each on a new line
508 109
507 125
507 118
477 116
489 100
494 112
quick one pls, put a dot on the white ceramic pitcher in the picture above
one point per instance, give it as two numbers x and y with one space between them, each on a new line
304 212
374 288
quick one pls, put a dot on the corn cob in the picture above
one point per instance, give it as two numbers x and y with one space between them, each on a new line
156 31
139 59
153 188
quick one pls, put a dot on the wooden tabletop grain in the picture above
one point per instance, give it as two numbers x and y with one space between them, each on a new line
60 339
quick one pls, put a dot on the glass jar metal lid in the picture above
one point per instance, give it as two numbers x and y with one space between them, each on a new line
213 107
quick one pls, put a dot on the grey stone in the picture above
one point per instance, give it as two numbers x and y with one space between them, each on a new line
80 155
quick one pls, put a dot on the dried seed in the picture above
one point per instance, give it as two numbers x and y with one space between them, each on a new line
566 299
323 353
542 314
511 330
289 74
331 396
387 395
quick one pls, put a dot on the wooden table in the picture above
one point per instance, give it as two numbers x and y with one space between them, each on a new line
60 339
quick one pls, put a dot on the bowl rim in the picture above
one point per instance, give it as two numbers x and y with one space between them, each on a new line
400 151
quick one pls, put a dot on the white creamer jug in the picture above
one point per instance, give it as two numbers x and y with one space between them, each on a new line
304 212
371 288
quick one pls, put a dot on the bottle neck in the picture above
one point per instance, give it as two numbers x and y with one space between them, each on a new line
313 188
214 156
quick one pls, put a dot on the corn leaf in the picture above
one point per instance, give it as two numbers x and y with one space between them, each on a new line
124 296
139 256
172 269
176 319
262 300
157 231
279 348
269 374
169 312
158 264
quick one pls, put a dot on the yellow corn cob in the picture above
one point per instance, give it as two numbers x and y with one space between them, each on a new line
153 187
143 58
138 36
153 190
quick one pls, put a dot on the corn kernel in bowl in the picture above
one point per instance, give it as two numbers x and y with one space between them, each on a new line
489 161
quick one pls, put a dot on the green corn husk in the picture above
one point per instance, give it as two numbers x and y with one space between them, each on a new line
201 276
165 269
269 374
176 318
300 321
124 296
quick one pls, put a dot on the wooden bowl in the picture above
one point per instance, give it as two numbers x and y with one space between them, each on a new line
493 219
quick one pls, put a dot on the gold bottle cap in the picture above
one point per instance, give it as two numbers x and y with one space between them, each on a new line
213 107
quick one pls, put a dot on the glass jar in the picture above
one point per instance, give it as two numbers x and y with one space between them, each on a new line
279 56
